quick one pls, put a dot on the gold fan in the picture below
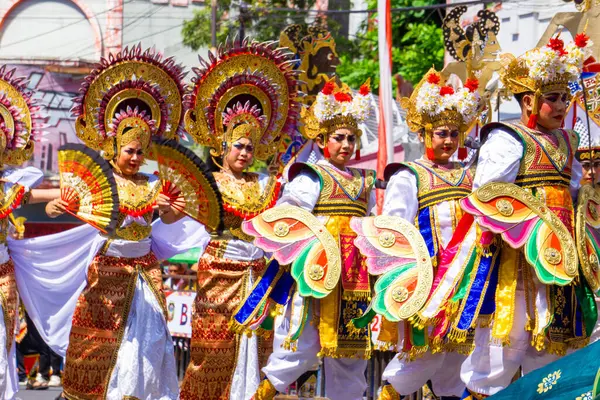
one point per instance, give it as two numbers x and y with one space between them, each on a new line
184 175
88 186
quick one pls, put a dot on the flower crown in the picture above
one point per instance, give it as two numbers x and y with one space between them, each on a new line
333 102
435 103
549 68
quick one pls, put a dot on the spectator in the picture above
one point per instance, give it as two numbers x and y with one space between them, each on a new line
174 282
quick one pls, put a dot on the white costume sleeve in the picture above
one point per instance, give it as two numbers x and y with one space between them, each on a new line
179 237
372 202
401 196
499 159
28 177
303 191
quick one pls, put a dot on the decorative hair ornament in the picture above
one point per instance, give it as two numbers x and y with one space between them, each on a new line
546 69
244 83
434 104
21 123
334 108
133 95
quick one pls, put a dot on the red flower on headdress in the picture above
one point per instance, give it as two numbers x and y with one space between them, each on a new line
364 89
472 84
343 97
328 88
433 79
581 40
446 90
558 45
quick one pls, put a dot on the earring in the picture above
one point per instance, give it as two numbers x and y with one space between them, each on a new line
326 152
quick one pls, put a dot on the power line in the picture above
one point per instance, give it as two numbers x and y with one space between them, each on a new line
65 26
399 9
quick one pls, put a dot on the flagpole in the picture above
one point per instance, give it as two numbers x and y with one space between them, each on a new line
385 152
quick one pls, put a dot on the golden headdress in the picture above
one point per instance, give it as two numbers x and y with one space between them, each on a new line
334 108
545 69
248 89
20 121
132 95
433 104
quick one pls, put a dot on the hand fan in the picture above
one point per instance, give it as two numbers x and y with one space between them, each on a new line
87 184
188 183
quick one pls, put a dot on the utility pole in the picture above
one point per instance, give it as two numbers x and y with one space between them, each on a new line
213 24
242 18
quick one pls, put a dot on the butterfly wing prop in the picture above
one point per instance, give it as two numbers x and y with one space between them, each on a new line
88 186
293 235
587 234
395 249
525 222
183 174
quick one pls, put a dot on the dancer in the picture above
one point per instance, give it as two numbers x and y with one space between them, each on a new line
20 125
309 329
539 309
104 292
427 193
244 103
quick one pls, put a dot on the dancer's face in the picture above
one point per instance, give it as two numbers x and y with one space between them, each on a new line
340 145
130 158
444 142
240 155
552 108
589 167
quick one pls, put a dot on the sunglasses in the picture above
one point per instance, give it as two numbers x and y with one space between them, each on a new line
444 134
239 146
340 138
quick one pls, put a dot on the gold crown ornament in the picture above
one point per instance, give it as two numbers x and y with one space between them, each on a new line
546 69
21 123
133 95
434 104
336 107
248 89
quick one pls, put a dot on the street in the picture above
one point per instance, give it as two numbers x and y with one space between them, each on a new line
49 394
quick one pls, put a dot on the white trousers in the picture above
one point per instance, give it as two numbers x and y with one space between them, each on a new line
491 366
443 369
344 377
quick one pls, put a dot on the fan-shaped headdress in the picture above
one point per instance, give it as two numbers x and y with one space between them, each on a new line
132 95
248 89
433 104
546 69
334 108
20 120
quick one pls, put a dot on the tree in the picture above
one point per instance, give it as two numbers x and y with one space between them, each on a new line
263 25
417 45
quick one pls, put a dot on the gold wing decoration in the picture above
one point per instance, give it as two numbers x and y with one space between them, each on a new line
185 176
524 221
293 235
396 251
587 234
88 185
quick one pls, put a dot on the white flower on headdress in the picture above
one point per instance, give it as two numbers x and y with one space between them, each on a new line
329 104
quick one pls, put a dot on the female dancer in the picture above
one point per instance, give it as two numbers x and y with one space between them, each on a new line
20 125
243 103
104 293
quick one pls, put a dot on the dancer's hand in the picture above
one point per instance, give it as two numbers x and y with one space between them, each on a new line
56 207
163 203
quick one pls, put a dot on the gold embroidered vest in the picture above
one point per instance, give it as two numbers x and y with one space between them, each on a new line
547 158
136 198
436 184
343 193
243 200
